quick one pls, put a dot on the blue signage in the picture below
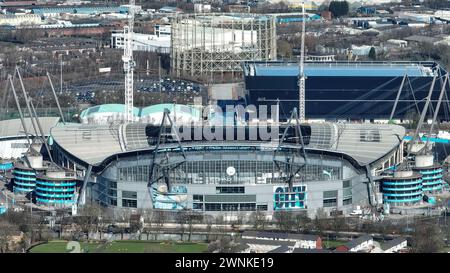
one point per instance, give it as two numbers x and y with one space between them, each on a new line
285 199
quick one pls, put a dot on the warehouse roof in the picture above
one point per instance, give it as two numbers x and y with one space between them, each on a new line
12 128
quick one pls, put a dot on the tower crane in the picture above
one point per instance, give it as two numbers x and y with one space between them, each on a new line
128 63
301 75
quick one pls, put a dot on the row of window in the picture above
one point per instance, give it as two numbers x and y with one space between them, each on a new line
230 190
248 171
229 206
128 203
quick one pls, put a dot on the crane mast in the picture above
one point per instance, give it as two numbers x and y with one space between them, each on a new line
128 63
301 76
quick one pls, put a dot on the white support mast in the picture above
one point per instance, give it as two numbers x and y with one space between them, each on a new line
128 64
301 76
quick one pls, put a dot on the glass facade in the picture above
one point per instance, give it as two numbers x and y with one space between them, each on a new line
346 192
330 198
107 191
246 172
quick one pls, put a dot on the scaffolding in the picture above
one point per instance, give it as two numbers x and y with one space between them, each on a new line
212 47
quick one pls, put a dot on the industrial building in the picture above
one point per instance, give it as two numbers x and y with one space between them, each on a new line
158 42
20 20
136 165
212 46
364 91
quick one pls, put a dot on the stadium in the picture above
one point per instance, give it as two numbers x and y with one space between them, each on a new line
146 166
345 91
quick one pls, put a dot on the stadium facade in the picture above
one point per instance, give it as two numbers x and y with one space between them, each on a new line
346 91
122 167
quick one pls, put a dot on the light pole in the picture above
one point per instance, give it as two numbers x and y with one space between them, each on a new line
60 74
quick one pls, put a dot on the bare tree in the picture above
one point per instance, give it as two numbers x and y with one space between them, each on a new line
259 220
88 219
427 238
320 221
284 220
159 218
301 221
6 231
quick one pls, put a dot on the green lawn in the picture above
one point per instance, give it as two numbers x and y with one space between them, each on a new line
332 244
123 247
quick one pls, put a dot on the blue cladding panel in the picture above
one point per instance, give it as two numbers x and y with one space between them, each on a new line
341 71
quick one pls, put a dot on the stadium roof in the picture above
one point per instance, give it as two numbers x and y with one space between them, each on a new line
177 108
12 128
141 112
107 108
365 143
338 69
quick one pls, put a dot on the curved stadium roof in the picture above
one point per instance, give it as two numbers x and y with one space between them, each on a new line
93 144
178 108
141 112
107 108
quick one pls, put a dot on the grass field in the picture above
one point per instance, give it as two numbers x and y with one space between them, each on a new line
332 244
123 247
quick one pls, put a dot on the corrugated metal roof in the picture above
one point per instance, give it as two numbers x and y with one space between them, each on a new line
332 70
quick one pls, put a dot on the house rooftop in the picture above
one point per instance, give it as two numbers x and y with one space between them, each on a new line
391 243
355 242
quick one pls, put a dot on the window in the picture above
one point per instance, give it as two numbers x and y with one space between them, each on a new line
247 206
197 206
330 194
230 207
261 207
133 174
347 201
112 193
129 194
329 202
230 190
347 193
113 202
212 207
330 199
346 183
197 197
127 203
